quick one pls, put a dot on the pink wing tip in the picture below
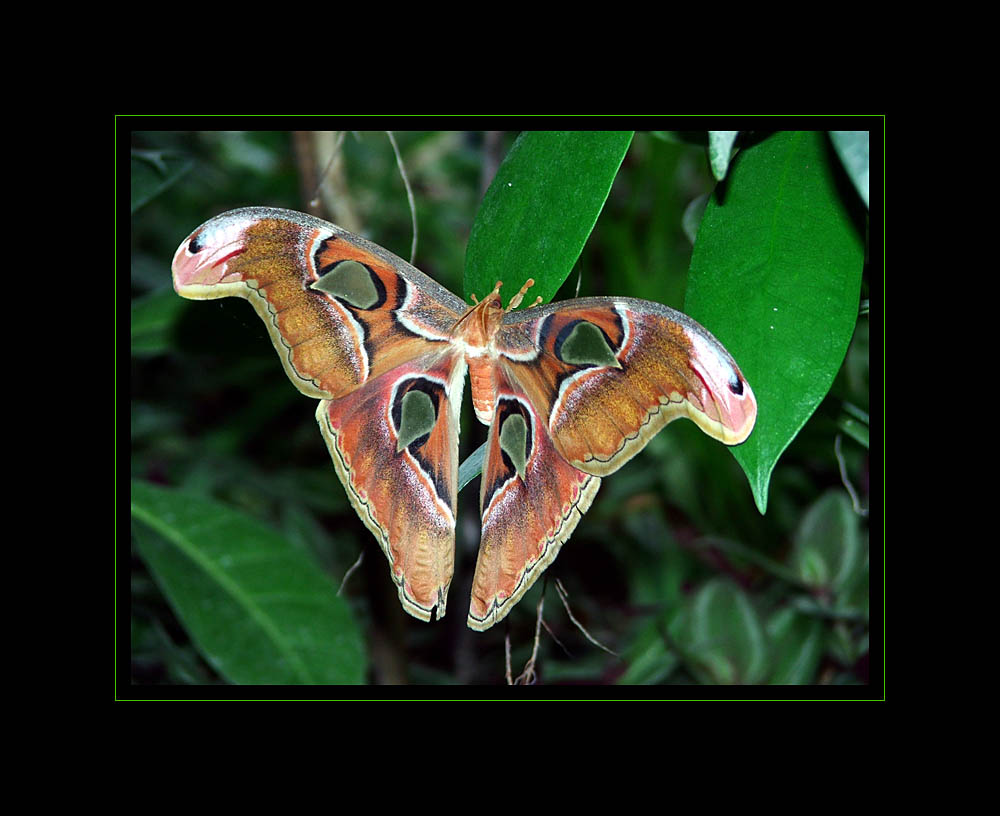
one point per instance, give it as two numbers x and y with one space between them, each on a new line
727 397
202 258
740 412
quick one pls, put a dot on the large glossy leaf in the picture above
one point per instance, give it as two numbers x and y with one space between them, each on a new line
539 210
775 275
259 609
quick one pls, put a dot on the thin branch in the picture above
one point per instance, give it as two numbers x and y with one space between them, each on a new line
506 655
321 179
845 480
350 572
559 643
528 677
409 195
564 595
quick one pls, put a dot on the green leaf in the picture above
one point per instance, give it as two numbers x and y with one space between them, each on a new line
720 149
152 172
649 660
722 635
471 467
852 147
846 644
854 595
258 609
828 550
797 646
775 275
540 209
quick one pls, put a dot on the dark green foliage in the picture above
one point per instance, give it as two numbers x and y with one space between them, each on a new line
674 568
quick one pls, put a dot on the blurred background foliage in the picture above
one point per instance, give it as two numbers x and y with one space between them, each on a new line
673 570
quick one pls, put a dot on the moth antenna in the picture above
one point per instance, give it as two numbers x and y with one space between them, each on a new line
496 289
516 300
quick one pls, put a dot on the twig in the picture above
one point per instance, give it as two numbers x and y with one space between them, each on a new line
846 482
506 654
350 571
409 195
528 676
564 595
558 642
334 155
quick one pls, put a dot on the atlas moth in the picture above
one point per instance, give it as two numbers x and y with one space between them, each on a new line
570 391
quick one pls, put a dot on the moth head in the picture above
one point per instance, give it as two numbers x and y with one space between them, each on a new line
483 319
